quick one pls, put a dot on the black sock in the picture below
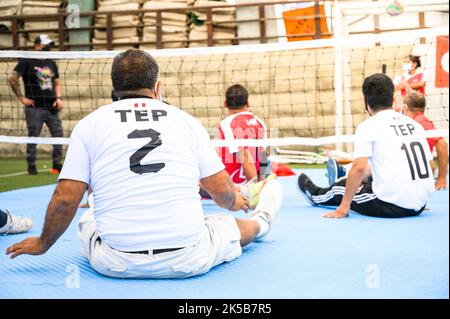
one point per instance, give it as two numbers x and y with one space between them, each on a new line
3 218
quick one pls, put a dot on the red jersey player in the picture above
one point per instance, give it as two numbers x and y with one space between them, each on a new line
242 163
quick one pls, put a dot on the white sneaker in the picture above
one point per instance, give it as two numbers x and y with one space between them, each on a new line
16 224
252 189
270 200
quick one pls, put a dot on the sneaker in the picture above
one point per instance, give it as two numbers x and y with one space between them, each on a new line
56 169
252 189
270 200
334 171
16 224
32 170
307 188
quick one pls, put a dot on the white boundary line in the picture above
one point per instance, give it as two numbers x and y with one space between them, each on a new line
269 142
351 41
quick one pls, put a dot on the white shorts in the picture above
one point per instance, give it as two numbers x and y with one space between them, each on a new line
220 243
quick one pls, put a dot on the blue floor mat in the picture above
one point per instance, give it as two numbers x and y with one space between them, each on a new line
305 256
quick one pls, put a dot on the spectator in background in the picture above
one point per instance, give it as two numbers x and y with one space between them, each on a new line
414 108
411 80
42 100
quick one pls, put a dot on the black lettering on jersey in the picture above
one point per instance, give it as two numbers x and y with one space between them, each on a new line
395 129
135 159
403 129
123 114
157 114
411 128
141 116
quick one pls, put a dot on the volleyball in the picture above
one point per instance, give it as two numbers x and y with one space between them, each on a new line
394 8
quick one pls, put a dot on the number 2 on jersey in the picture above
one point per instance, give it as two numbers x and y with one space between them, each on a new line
135 159
413 147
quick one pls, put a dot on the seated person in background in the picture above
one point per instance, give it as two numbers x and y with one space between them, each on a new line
12 224
245 165
242 163
411 80
388 141
414 108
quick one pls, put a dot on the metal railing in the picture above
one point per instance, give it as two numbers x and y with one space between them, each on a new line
18 21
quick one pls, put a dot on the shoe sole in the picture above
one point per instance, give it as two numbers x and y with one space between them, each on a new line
332 171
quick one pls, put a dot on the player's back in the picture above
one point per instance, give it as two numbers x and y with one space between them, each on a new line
242 125
145 173
399 159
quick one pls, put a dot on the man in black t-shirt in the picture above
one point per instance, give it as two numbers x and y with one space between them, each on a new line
42 100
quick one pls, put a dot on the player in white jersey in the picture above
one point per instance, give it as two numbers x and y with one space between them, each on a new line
144 160
399 157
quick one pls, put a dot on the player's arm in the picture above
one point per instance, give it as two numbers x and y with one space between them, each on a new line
417 85
60 212
223 192
13 80
58 93
248 163
442 157
355 177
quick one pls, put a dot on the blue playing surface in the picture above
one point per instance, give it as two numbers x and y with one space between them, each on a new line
305 256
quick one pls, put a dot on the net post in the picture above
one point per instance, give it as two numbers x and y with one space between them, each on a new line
158 29
209 27
338 85
109 34
61 31
15 34
262 23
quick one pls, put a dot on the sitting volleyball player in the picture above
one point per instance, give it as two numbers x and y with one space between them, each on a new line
399 156
13 224
245 165
144 160
414 107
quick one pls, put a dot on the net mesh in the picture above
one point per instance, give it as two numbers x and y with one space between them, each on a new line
293 86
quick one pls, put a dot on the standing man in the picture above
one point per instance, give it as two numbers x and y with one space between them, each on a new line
42 100
144 161
399 156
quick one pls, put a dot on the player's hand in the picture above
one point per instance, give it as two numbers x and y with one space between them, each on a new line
441 183
29 246
241 203
340 212
59 104
26 101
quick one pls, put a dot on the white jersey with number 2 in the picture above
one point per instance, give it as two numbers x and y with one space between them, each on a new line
143 160
399 157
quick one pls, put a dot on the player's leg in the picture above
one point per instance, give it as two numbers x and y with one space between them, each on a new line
315 195
365 202
264 214
54 124
35 121
13 224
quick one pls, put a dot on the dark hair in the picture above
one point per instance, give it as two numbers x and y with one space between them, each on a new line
236 96
415 101
133 70
378 90
415 59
